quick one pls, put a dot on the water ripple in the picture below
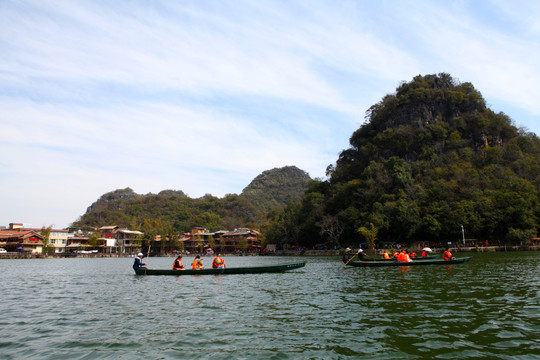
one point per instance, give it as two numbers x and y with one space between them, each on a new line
97 309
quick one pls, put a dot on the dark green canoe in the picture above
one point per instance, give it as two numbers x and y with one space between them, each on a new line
429 257
226 271
413 263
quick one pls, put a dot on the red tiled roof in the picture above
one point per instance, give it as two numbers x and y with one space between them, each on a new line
10 234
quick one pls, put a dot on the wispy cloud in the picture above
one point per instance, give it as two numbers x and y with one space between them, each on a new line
203 96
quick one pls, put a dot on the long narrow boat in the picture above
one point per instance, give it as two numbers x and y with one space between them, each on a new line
413 263
429 257
226 271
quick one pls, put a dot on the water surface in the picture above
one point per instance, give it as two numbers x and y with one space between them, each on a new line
488 308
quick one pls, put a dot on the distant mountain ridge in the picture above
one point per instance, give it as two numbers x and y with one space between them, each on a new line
272 189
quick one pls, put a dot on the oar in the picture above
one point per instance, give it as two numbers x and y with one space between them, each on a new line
148 254
369 256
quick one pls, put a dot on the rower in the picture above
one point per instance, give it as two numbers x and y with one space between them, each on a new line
138 264
346 256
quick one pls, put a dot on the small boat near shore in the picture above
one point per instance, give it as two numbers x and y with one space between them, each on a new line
226 271
413 263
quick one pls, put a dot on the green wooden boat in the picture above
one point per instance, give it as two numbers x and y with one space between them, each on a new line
226 271
413 263
429 257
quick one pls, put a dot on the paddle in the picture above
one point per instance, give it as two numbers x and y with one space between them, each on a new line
369 256
148 253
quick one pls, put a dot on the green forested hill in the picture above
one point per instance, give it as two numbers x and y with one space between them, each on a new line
429 158
273 189
174 212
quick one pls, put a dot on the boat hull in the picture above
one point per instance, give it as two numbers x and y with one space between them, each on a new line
413 263
226 271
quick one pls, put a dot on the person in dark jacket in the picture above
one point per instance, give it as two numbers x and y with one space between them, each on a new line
346 256
138 261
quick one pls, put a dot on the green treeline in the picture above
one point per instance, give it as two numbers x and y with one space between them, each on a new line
428 159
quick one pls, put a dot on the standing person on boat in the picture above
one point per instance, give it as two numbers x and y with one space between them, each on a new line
177 265
197 263
138 261
218 262
447 255
346 256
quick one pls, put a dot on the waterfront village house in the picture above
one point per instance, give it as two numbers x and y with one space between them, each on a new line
242 239
78 242
113 239
21 240
58 238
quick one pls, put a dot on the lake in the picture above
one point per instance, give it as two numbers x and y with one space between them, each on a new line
97 308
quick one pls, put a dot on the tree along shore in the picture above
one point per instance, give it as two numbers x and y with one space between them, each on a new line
304 252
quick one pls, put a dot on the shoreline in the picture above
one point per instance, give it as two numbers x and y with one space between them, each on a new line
279 253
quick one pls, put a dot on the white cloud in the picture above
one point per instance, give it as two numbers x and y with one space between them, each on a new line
202 97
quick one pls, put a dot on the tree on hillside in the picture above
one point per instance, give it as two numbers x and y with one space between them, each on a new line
429 158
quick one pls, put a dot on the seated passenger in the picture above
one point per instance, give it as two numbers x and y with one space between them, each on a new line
197 263
448 255
218 262
404 256
178 264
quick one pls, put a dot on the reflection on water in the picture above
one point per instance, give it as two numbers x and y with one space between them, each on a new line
97 308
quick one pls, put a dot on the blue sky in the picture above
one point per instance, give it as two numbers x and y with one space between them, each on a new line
202 96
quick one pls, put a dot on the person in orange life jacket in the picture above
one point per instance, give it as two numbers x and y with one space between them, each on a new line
396 254
385 255
424 253
413 255
177 265
197 263
447 255
218 262
138 261
404 256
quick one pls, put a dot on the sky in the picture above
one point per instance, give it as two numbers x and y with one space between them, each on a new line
202 96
